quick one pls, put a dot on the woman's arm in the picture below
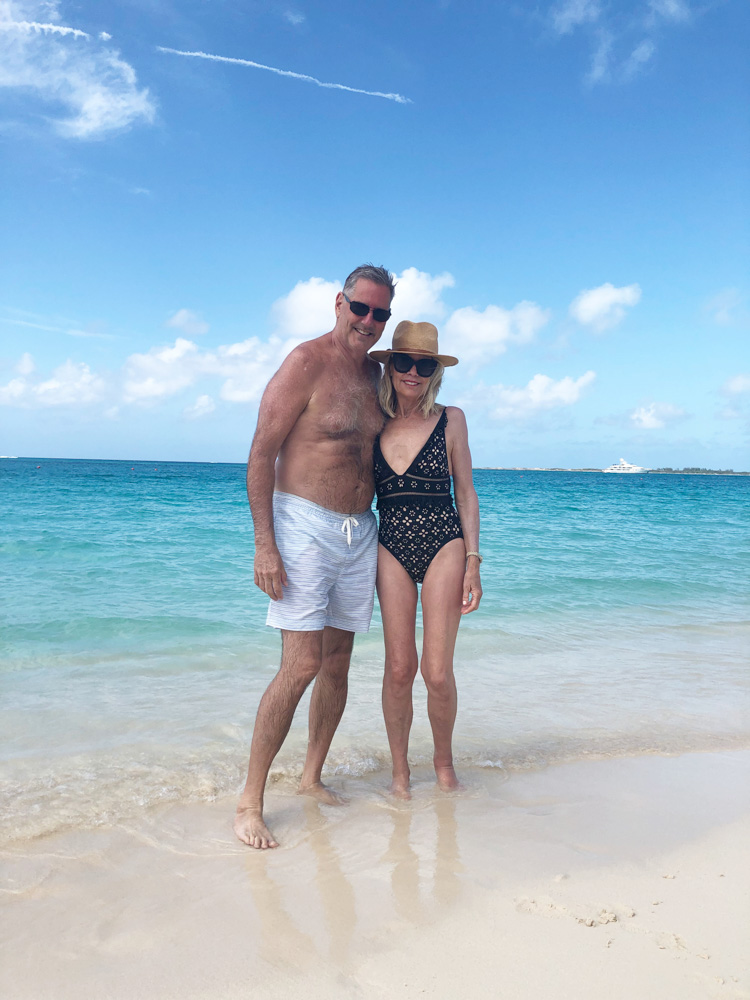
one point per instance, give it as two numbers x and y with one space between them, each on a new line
467 503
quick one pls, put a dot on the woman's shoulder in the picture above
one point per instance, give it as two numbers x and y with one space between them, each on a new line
455 414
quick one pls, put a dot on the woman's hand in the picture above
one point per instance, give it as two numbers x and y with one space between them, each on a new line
472 594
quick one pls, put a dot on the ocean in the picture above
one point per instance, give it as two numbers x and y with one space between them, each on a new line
615 621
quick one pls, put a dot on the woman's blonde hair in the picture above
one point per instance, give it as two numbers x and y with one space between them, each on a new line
427 404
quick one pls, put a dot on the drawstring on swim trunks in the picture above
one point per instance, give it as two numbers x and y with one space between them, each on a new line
346 527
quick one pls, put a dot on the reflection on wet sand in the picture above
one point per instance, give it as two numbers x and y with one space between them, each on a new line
336 891
321 900
280 892
409 885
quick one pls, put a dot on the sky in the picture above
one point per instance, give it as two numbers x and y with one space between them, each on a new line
562 188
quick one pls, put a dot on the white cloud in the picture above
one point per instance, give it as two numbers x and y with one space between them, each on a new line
617 54
247 367
189 322
70 385
604 307
600 60
572 13
308 310
472 335
200 408
161 372
105 36
25 364
165 371
418 296
737 385
10 10
638 58
53 326
398 98
539 394
654 416
294 17
67 68
13 393
723 308
670 10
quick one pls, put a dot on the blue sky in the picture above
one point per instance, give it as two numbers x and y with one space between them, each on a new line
562 188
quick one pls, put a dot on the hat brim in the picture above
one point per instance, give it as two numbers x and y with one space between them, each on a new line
446 360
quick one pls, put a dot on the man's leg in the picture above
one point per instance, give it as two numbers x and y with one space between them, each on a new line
326 708
301 654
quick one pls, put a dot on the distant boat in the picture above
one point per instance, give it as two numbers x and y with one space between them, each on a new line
623 466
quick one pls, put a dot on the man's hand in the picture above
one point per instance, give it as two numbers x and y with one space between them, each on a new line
270 574
472 594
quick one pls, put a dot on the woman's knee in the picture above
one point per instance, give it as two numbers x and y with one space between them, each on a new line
401 670
439 681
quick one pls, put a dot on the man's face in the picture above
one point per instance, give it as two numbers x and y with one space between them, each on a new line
364 331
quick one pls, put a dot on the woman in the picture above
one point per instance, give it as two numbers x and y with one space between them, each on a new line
423 540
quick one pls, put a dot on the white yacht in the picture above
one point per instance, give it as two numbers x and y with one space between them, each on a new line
623 466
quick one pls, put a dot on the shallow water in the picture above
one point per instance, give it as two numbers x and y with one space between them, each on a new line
615 620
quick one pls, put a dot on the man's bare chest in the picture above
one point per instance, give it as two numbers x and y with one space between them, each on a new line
346 408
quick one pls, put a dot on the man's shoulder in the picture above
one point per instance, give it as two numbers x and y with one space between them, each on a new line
310 351
307 360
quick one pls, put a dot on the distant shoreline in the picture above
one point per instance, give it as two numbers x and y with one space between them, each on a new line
477 468
646 472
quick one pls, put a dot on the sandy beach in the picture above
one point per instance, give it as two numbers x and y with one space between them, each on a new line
622 877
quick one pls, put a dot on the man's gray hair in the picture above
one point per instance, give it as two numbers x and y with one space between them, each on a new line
368 272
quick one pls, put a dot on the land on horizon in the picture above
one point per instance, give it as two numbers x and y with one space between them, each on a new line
689 471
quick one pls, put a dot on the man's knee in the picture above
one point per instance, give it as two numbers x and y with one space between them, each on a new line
301 656
337 651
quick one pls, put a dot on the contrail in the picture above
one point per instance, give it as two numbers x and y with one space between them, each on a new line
44 29
285 72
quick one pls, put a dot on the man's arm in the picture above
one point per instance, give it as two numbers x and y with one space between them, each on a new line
285 397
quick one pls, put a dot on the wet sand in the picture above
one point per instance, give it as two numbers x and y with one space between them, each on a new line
620 878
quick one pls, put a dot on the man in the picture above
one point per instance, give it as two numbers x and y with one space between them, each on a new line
310 486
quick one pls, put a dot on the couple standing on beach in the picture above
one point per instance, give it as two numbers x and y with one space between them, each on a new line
332 430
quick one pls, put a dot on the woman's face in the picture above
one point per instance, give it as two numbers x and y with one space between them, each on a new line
408 385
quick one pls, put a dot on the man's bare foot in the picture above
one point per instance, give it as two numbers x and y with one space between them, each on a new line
446 778
251 830
323 794
400 789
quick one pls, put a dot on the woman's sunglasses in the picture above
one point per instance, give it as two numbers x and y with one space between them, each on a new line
404 363
362 309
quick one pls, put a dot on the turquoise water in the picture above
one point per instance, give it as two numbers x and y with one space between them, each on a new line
616 620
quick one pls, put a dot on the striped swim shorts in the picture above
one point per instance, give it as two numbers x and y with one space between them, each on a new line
330 561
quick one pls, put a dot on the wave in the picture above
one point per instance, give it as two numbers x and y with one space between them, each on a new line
89 792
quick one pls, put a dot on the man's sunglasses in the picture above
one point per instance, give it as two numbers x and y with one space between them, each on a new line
362 309
404 363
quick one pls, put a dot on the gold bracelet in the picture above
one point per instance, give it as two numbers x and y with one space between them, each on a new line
475 554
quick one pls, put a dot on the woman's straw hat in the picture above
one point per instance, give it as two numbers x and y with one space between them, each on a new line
415 338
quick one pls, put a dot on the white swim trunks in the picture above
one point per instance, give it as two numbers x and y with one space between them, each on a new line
330 561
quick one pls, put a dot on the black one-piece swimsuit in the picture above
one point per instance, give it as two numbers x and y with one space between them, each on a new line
417 516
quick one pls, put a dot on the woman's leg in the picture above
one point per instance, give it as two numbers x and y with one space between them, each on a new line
441 613
397 594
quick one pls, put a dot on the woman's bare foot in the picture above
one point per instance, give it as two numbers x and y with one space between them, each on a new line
401 786
251 830
446 778
323 794
399 791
